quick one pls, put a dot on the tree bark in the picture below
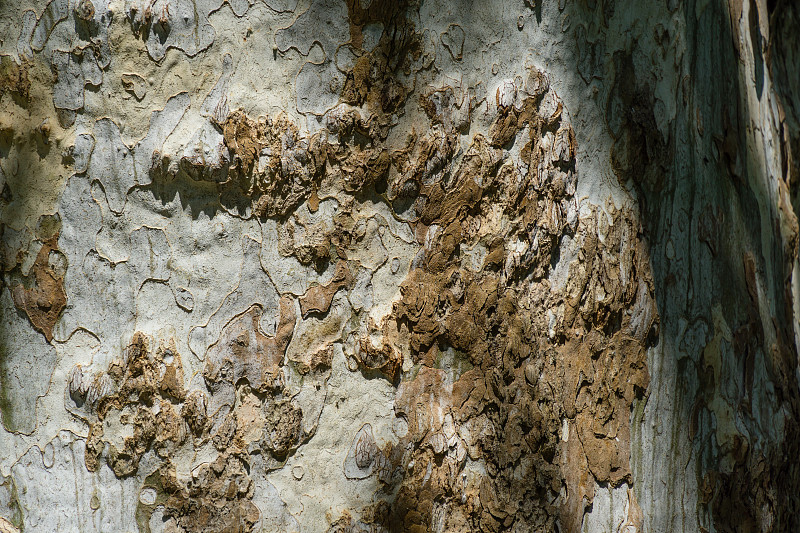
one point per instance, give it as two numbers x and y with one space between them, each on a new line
374 265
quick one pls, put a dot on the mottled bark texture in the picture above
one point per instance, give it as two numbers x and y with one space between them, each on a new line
417 265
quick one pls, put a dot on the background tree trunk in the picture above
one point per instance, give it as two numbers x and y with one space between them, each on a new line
374 265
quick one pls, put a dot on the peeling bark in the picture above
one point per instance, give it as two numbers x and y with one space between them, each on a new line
316 265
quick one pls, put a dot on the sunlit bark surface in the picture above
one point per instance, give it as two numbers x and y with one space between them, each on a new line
376 265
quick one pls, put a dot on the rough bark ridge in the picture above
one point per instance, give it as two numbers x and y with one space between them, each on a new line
326 265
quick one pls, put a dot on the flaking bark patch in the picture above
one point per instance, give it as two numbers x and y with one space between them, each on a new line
44 300
545 408
140 406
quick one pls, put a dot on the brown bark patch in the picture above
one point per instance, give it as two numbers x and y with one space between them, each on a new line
45 298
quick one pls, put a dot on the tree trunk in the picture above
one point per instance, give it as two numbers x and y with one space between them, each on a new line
378 265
